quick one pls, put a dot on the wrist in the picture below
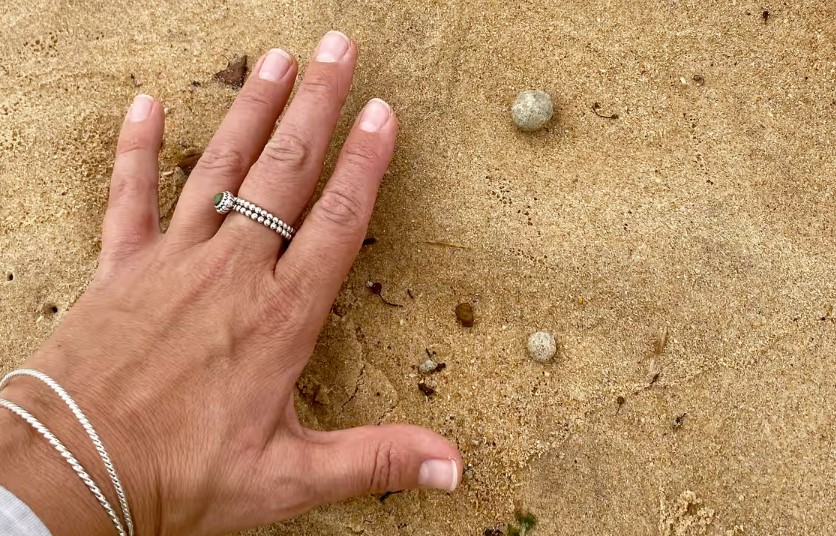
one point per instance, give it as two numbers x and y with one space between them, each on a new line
33 470
36 473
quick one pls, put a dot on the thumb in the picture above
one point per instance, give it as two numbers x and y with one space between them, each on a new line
370 459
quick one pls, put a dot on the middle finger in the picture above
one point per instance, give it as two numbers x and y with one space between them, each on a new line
285 175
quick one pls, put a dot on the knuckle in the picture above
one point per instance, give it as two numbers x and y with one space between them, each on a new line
116 249
360 155
253 99
132 142
386 467
226 160
126 185
320 84
288 151
341 208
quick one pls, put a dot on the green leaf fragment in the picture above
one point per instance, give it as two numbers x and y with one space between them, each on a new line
527 520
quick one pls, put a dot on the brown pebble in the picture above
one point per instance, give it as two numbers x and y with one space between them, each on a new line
464 314
699 80
235 72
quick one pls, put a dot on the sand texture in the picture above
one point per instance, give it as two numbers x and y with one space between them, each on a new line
684 252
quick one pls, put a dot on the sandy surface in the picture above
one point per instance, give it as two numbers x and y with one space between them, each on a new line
706 211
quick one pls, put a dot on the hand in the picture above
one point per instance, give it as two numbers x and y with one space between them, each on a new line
185 349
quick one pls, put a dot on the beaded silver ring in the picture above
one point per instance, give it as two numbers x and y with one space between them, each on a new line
225 202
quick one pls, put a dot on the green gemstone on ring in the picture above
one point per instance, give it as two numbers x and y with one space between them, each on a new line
217 199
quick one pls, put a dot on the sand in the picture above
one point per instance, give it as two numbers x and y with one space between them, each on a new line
683 253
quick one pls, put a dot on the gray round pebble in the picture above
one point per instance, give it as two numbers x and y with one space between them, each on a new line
532 110
427 366
541 346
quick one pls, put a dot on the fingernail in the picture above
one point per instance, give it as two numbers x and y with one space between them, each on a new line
439 474
141 108
374 115
332 47
275 65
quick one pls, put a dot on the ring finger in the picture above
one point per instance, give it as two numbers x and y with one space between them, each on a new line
233 149
284 177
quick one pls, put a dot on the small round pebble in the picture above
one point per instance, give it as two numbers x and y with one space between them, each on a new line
541 346
427 366
464 313
532 110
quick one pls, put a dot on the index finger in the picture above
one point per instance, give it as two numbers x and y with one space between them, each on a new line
321 254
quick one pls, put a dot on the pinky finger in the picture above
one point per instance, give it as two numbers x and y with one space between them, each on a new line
132 217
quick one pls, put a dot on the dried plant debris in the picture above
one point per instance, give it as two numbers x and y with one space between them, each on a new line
235 72
444 244
660 341
425 388
620 400
377 289
464 314
596 107
188 159
677 423
492 532
389 494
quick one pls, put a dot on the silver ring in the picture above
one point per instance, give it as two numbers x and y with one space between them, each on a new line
226 202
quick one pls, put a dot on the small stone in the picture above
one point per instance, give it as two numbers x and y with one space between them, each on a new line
217 199
532 110
427 366
541 346
464 314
